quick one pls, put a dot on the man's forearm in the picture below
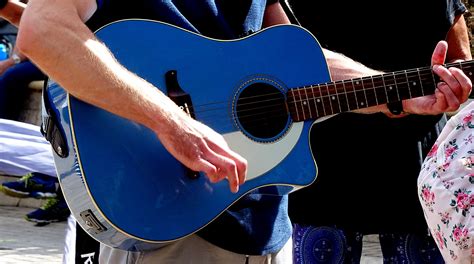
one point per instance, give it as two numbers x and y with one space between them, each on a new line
344 68
458 41
76 60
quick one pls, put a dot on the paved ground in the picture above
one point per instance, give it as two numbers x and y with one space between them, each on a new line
371 252
22 242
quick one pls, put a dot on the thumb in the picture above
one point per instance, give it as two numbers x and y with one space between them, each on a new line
439 53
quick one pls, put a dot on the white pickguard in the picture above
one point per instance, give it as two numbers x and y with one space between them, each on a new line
262 157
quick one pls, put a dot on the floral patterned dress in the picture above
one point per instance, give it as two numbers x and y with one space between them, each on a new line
446 188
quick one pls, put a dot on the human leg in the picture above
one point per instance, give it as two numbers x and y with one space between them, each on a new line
69 251
13 86
24 150
79 247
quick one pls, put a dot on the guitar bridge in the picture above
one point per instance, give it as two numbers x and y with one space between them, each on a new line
183 100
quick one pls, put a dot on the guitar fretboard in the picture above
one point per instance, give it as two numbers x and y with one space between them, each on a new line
314 101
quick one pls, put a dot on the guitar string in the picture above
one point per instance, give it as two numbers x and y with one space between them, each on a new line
200 109
276 114
314 86
265 115
272 114
316 94
333 91
427 71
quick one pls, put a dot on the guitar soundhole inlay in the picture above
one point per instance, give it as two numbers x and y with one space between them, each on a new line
261 111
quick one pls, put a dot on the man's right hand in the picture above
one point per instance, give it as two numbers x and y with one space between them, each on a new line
200 148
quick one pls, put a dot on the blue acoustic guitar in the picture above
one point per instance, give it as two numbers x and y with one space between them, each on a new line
262 93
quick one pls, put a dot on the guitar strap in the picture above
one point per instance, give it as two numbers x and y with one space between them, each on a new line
50 127
289 12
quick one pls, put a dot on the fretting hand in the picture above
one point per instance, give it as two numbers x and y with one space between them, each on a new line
450 93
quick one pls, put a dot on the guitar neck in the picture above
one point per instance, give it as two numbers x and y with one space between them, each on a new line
315 101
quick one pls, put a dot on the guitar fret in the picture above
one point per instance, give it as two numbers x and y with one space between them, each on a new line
335 94
329 99
346 94
365 92
355 95
325 103
314 100
368 86
375 92
397 87
351 92
296 106
416 87
301 102
360 94
421 82
306 102
332 98
461 66
465 67
317 101
408 85
434 79
428 80
379 89
311 101
391 85
321 100
385 88
341 92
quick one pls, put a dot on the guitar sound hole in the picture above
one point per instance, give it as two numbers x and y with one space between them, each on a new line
261 111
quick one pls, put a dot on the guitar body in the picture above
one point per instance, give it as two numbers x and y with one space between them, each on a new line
121 184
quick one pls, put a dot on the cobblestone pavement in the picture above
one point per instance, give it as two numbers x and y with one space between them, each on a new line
22 242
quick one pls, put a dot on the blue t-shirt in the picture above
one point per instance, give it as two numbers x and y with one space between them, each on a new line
257 224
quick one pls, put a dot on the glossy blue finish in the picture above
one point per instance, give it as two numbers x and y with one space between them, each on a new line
131 183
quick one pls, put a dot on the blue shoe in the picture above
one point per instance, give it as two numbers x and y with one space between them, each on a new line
34 185
54 210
